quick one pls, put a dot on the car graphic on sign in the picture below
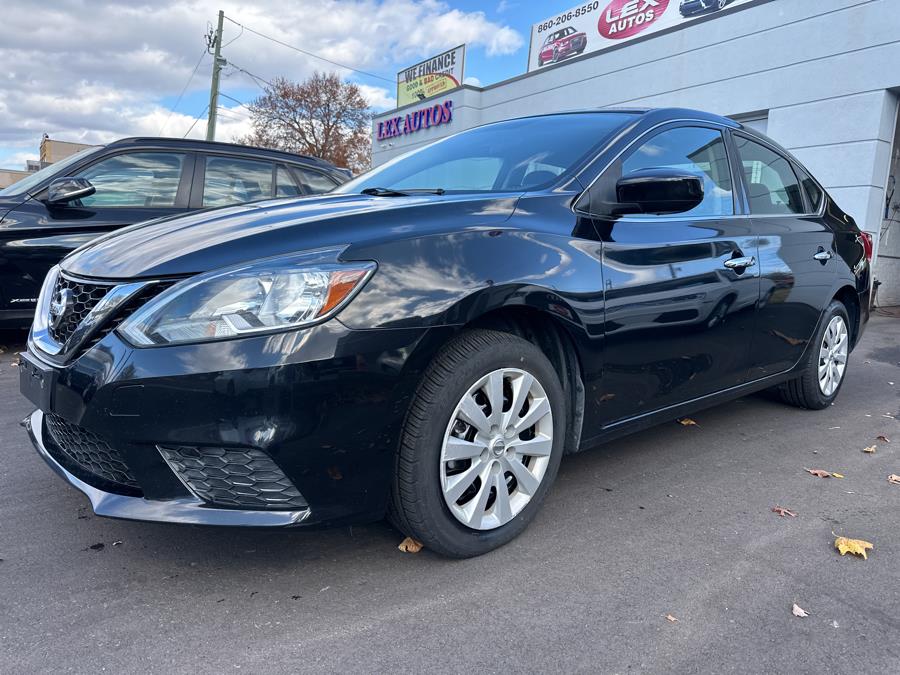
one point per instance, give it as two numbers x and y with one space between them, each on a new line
561 44
692 7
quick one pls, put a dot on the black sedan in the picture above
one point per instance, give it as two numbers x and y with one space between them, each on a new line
429 341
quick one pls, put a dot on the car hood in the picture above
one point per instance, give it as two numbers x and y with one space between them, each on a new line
216 238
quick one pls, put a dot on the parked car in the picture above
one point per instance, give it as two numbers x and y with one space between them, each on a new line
431 338
46 215
561 44
692 7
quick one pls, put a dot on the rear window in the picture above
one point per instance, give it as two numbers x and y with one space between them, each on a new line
813 192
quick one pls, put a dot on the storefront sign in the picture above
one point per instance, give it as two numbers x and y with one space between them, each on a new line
432 77
601 24
416 120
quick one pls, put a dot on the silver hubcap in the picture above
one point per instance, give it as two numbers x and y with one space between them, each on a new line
833 356
496 449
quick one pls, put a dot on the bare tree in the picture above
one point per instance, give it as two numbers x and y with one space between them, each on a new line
322 116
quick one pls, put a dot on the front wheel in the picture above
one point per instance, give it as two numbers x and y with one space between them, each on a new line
481 445
826 363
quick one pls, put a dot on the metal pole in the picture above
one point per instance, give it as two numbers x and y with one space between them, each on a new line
218 62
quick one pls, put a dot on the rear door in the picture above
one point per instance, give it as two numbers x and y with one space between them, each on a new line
679 318
795 255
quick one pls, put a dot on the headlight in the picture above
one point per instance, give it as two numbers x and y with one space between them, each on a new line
264 296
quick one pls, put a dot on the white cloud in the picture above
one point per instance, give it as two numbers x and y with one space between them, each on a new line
474 81
93 76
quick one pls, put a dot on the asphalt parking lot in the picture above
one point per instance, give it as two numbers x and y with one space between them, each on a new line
674 521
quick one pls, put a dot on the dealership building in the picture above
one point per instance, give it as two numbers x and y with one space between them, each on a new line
821 77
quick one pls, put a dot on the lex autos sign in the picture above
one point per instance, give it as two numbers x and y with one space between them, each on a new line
600 24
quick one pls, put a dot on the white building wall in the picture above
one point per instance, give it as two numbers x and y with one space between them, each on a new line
823 71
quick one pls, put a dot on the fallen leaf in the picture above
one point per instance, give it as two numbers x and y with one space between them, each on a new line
894 479
410 545
854 546
781 511
819 473
883 439
793 342
836 475
870 450
96 547
797 610
117 543
687 422
671 618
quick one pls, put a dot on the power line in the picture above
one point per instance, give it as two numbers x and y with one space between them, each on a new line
183 89
232 98
256 78
196 119
303 51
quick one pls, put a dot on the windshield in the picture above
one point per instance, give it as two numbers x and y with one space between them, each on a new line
31 181
522 154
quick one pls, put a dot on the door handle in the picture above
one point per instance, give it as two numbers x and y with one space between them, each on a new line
740 263
823 256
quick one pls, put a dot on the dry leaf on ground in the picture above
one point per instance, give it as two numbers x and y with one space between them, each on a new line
870 450
797 610
821 473
687 422
671 618
894 479
781 511
410 545
854 546
883 439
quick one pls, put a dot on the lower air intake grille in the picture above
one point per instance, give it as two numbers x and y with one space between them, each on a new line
88 456
244 478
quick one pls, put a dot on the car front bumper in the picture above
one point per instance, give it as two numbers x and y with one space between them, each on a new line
323 406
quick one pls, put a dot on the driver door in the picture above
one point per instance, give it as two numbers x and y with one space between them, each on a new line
678 316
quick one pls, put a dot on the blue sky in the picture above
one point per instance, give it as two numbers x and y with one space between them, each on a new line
84 79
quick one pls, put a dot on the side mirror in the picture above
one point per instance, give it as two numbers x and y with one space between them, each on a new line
658 191
69 189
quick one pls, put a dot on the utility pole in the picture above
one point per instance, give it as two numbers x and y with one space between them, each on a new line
215 41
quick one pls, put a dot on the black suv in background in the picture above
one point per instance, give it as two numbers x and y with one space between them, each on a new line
48 214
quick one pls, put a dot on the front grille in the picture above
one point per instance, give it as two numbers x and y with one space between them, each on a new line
88 456
85 297
233 477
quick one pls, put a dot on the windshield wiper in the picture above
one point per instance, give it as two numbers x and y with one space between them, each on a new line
389 192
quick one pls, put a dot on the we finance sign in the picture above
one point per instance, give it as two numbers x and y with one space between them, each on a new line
432 77
601 24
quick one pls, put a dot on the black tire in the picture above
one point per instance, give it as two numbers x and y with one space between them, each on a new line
804 391
417 505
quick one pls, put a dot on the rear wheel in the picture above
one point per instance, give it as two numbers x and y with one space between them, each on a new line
826 363
481 445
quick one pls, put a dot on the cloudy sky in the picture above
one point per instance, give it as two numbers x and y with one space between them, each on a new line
94 70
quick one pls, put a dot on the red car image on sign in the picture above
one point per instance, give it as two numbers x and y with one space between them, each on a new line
561 44
625 18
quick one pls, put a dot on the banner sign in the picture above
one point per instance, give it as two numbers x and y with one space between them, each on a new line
601 24
432 77
415 120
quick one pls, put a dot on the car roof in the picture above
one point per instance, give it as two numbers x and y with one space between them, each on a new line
656 114
213 146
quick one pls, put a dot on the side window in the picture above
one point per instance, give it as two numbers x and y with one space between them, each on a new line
285 185
134 180
313 182
235 181
813 191
697 150
772 186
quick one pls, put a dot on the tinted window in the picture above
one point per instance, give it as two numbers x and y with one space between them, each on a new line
502 156
235 181
695 150
813 192
313 182
136 179
773 187
285 184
